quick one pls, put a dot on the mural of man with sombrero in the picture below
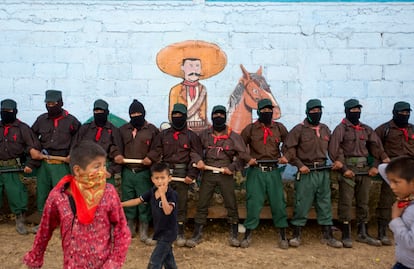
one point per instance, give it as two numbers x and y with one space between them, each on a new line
191 60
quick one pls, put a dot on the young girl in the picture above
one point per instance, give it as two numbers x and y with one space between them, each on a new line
399 173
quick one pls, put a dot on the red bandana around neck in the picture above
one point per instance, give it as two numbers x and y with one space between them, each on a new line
405 132
266 132
191 87
98 134
175 135
221 137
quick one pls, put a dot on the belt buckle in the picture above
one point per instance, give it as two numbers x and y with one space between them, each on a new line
315 165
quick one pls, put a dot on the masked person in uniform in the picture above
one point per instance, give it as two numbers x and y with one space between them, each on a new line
351 143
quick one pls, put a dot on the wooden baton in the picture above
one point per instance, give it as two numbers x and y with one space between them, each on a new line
133 160
211 168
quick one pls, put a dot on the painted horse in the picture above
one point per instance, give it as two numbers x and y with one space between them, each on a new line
251 88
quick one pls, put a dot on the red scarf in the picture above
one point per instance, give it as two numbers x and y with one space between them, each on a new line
87 193
191 88
405 132
317 128
402 203
175 135
98 134
266 132
6 130
221 137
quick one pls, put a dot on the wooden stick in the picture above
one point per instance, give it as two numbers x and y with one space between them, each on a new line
133 160
179 179
211 168
51 157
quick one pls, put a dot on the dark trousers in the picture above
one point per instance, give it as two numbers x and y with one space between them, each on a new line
162 256
346 195
400 266
16 192
182 192
208 185
386 199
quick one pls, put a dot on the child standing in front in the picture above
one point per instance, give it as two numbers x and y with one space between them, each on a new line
92 223
163 201
399 173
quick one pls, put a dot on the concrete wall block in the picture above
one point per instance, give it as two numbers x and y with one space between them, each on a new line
347 56
48 70
383 56
365 72
398 40
115 71
334 72
16 70
282 72
365 40
383 89
407 56
29 85
401 72
349 89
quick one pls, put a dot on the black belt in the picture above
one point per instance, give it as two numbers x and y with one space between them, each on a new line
315 164
137 169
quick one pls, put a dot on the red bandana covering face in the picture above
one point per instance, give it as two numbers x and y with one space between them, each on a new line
87 191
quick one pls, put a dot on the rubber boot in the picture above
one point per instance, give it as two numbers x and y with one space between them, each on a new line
297 237
132 227
245 243
196 238
143 234
180 236
283 242
364 237
20 224
382 233
328 239
346 235
234 233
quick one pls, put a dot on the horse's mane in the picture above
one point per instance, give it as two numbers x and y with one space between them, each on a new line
238 91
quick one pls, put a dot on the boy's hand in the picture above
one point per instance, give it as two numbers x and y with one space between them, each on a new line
396 211
163 188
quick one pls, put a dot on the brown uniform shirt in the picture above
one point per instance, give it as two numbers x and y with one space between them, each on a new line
224 150
186 149
253 135
304 147
395 141
56 135
16 140
137 147
346 141
109 138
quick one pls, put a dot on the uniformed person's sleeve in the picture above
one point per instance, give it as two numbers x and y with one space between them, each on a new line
31 142
375 147
335 149
242 154
155 152
290 146
195 154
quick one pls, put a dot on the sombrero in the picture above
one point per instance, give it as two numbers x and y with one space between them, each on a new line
213 59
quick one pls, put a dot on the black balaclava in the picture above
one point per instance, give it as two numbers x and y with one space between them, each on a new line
56 110
353 117
314 118
399 119
8 117
101 118
219 123
266 117
137 121
179 123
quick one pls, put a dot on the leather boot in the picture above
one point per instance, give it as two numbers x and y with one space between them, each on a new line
132 227
346 235
245 243
180 236
297 237
20 224
196 238
234 233
382 233
327 237
364 237
283 242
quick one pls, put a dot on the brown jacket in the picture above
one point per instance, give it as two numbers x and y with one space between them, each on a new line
394 140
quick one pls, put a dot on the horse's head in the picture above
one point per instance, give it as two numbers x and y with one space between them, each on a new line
256 88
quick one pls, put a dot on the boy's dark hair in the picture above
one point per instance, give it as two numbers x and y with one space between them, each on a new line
84 153
160 167
402 166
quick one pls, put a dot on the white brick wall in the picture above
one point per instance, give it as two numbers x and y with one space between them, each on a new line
106 49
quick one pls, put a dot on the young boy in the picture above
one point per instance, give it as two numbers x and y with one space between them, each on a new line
399 174
163 206
92 223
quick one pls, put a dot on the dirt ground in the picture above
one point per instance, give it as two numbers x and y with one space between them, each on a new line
214 251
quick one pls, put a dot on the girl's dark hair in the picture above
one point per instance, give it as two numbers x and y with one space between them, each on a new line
403 167
160 167
84 153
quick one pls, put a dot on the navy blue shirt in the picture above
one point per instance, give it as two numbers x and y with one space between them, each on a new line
165 226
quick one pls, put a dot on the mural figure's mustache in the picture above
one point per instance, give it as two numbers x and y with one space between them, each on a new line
195 74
